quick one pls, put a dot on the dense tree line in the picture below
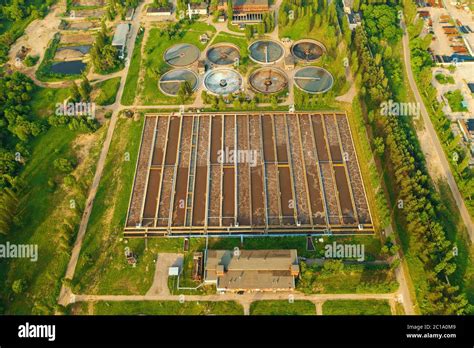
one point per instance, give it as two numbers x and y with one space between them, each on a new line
120 7
312 16
413 186
17 128
317 11
16 10
456 153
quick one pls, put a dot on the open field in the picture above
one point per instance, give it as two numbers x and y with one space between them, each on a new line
131 84
76 39
111 275
356 307
353 278
40 222
106 91
106 221
158 308
272 184
44 100
298 307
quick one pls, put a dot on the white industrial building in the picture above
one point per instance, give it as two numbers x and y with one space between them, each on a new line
120 38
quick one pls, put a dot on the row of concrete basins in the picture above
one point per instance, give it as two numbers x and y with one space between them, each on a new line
224 80
183 55
261 52
269 51
309 79
266 80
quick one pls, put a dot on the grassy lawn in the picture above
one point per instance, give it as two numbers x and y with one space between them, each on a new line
296 31
44 210
444 79
455 99
234 28
154 64
352 279
108 273
298 307
159 308
131 84
43 102
356 307
371 244
187 281
102 267
107 91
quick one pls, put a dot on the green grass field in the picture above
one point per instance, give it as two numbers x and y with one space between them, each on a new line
356 307
455 99
107 272
44 100
102 267
298 307
42 212
131 84
444 79
107 91
352 279
158 308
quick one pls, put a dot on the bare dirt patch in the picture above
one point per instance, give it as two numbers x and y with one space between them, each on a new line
76 39
37 35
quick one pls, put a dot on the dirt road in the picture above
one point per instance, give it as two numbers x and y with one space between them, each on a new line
245 298
65 294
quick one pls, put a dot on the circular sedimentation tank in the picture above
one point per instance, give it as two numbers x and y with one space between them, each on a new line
313 79
182 55
266 51
223 54
171 81
222 81
268 80
307 50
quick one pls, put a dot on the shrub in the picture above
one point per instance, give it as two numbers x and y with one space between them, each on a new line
64 165
19 286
